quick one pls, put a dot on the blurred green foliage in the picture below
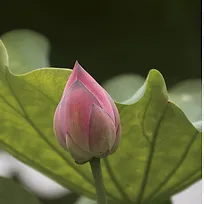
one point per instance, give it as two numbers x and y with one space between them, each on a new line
11 192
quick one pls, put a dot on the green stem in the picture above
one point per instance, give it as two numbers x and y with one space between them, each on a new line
98 180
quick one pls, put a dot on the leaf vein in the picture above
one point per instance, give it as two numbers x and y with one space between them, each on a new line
143 119
174 170
115 181
150 157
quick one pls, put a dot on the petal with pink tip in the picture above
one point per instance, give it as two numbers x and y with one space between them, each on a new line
76 109
89 82
102 133
73 77
77 153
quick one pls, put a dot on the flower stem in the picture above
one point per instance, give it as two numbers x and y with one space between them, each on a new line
98 180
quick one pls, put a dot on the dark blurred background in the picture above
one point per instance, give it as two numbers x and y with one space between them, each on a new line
114 37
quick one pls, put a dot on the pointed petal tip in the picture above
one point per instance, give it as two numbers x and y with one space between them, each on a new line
77 66
74 75
76 63
78 70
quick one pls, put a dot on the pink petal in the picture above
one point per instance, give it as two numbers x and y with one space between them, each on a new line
89 82
115 111
57 128
73 77
75 113
102 133
77 153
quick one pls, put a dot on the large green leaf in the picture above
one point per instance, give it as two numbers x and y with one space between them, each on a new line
159 154
11 192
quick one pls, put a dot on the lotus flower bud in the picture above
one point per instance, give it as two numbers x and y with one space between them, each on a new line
86 121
